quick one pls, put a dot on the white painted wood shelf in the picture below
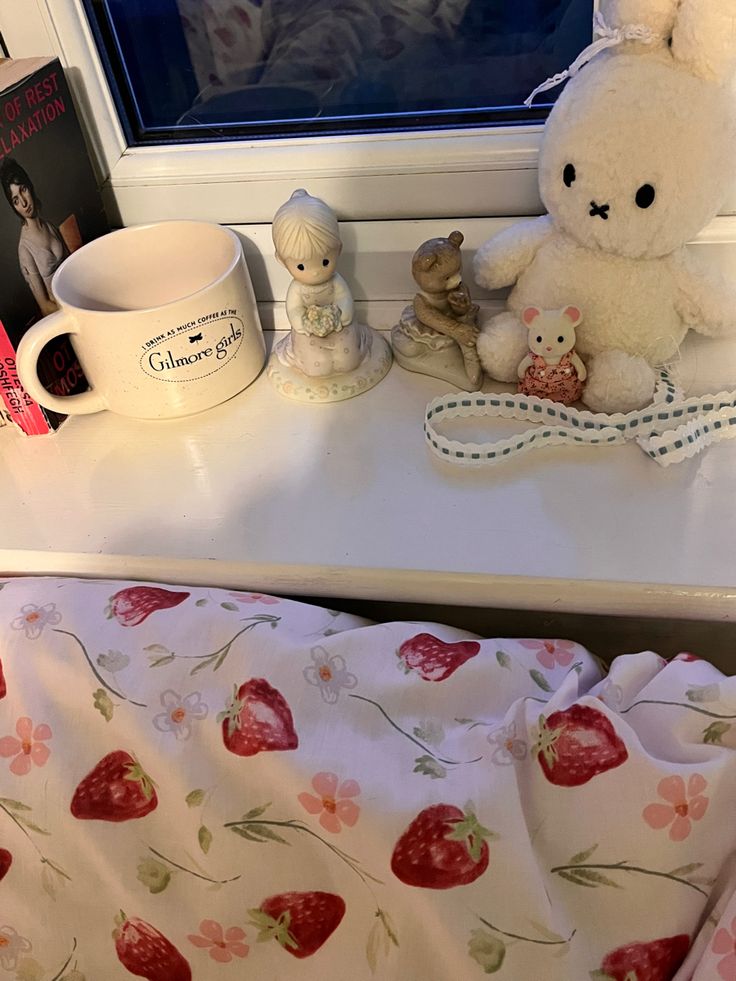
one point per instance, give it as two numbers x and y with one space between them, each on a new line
344 500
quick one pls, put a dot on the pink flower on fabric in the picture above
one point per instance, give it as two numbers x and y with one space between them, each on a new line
551 652
254 598
725 943
684 805
28 748
333 803
223 944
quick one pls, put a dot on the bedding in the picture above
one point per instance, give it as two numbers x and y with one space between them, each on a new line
211 784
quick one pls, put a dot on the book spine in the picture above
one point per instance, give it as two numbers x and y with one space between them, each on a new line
21 408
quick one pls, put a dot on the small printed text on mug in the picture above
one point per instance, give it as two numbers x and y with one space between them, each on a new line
195 349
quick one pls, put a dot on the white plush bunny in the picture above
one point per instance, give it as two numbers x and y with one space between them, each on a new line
638 154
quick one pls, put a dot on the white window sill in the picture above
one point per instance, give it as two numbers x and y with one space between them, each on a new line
344 501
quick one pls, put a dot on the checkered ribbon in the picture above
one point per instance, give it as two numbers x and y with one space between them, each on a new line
669 431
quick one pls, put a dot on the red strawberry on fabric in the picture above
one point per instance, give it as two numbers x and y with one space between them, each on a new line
299 921
132 605
147 953
657 960
258 719
576 745
443 847
3 686
117 789
435 659
6 860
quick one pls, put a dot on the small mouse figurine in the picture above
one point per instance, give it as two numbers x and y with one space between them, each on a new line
552 369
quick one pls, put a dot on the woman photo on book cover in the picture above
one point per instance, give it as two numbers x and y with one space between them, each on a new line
41 246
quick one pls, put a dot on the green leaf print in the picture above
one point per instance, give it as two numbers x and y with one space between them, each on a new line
583 856
233 607
13 805
596 878
686 870
204 836
428 766
380 939
194 798
154 875
539 679
103 704
504 659
256 812
487 951
582 873
217 658
715 732
261 830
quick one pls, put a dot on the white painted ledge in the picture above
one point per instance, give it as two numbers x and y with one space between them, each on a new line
344 501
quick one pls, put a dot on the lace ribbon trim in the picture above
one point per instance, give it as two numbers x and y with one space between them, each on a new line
671 430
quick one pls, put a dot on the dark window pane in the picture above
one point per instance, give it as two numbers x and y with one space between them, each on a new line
203 69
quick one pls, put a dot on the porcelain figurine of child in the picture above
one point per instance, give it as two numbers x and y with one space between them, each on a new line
552 369
327 355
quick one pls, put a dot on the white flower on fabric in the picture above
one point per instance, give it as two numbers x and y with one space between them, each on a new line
703 693
180 713
508 747
34 618
113 661
12 945
611 694
329 674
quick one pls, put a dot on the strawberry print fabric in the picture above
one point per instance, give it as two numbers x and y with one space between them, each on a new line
206 784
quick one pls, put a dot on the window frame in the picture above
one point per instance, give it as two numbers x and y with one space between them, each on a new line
390 191
425 174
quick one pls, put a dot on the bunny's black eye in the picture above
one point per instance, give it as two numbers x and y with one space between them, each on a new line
539 340
569 175
325 262
301 266
560 339
645 196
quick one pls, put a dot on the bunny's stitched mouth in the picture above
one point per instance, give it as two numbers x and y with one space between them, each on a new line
599 210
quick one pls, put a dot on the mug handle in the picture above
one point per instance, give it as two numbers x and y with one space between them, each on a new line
27 355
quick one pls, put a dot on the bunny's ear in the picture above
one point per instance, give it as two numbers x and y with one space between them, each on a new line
530 314
704 38
658 15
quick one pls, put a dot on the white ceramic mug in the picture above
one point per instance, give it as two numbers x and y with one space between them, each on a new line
163 320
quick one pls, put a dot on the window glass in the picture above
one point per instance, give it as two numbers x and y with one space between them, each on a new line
183 70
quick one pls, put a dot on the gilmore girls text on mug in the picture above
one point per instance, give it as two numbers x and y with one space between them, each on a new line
208 343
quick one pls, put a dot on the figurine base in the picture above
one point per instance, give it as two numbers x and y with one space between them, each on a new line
293 384
421 349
